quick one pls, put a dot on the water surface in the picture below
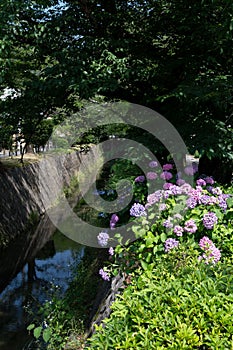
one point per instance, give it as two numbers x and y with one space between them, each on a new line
48 273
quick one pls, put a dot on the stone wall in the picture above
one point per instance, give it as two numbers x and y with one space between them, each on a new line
105 297
26 192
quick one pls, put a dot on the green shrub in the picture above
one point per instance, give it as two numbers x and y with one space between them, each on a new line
177 303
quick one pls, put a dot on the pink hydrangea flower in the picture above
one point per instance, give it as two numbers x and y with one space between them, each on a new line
114 219
178 230
186 188
167 185
190 170
201 182
151 175
180 182
190 226
211 253
209 180
167 166
166 175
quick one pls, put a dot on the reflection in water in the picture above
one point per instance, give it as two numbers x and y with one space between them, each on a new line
35 267
45 273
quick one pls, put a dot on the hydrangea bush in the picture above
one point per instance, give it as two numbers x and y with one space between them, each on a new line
177 213
187 228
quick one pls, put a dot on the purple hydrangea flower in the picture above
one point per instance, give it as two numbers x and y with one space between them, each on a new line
190 226
217 191
212 254
167 223
222 201
114 219
166 175
213 200
186 188
154 198
167 185
112 225
167 166
166 194
179 175
225 196
180 182
175 190
196 193
204 199
178 216
151 175
103 238
170 243
205 243
191 202
178 230
111 251
140 178
104 275
195 167
189 170
201 182
209 180
162 207
153 164
138 210
209 220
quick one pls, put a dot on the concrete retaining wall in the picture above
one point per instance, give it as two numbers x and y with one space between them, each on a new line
21 190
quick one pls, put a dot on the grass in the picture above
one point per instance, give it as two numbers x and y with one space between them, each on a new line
14 161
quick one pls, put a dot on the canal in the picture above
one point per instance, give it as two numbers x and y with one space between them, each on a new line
29 279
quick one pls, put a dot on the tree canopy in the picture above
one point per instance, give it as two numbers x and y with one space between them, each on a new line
175 57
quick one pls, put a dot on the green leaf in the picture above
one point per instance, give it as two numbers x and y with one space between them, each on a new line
163 237
218 214
149 242
148 258
47 334
230 202
37 332
30 327
151 216
144 265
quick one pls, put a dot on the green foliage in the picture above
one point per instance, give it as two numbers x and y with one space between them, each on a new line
172 56
123 169
72 188
65 320
60 321
175 299
176 303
